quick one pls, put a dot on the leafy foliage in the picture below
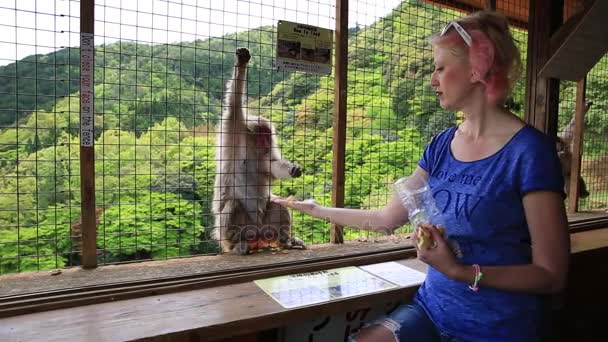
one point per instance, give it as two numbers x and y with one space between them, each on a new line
156 108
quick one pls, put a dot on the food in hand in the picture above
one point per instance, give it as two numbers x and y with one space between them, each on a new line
424 238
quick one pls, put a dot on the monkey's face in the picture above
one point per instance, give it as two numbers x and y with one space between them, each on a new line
560 146
262 135
564 156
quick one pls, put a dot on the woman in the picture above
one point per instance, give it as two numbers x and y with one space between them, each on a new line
498 185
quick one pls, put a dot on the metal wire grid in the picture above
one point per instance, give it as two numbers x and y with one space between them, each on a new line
158 100
594 163
594 167
156 154
392 110
39 188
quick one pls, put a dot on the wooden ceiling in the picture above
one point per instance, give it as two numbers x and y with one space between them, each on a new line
583 39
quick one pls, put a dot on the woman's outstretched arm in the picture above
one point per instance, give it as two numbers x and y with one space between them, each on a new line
387 219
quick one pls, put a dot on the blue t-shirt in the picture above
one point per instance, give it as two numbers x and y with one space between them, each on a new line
482 208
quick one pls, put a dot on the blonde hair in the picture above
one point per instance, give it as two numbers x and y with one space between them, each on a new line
493 55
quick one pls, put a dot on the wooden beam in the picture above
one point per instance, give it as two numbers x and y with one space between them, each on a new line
339 120
542 93
577 148
582 39
87 134
88 295
491 5
214 313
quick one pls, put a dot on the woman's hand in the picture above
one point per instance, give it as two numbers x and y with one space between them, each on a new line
307 206
439 255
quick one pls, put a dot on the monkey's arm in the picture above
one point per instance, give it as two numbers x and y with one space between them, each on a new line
282 168
233 120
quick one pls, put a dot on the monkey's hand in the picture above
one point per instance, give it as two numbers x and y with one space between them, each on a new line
243 56
284 169
295 171
295 243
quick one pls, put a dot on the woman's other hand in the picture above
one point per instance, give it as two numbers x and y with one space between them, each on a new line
439 255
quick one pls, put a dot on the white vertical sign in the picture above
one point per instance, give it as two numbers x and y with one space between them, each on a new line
87 94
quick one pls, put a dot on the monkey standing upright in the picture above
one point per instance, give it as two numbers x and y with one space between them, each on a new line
247 160
565 151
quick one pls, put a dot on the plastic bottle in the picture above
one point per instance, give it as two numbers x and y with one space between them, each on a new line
417 197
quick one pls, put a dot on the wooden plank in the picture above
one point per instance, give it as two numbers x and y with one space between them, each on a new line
339 120
76 279
585 42
215 312
87 151
589 240
577 148
27 304
584 216
583 314
211 313
542 94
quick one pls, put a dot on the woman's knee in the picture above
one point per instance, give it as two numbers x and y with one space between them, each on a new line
376 332
407 322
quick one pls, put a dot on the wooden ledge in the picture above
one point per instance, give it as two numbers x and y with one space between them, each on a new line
79 279
210 313
211 265
37 292
589 240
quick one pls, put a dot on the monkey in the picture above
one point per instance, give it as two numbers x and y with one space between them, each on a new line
565 149
247 161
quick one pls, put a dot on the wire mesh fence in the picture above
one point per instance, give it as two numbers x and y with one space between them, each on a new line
593 191
393 111
161 69
39 190
594 167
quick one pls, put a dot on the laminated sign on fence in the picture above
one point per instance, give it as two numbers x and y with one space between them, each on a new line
303 48
87 94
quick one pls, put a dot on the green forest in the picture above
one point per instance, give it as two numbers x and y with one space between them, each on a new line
156 109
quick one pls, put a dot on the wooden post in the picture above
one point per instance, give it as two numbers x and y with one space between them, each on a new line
339 120
577 146
491 5
87 134
542 94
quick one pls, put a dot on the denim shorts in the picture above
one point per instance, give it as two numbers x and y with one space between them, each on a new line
409 322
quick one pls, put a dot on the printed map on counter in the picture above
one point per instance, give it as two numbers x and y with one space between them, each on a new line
303 289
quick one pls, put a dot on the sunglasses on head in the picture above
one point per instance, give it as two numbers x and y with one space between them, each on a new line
461 31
